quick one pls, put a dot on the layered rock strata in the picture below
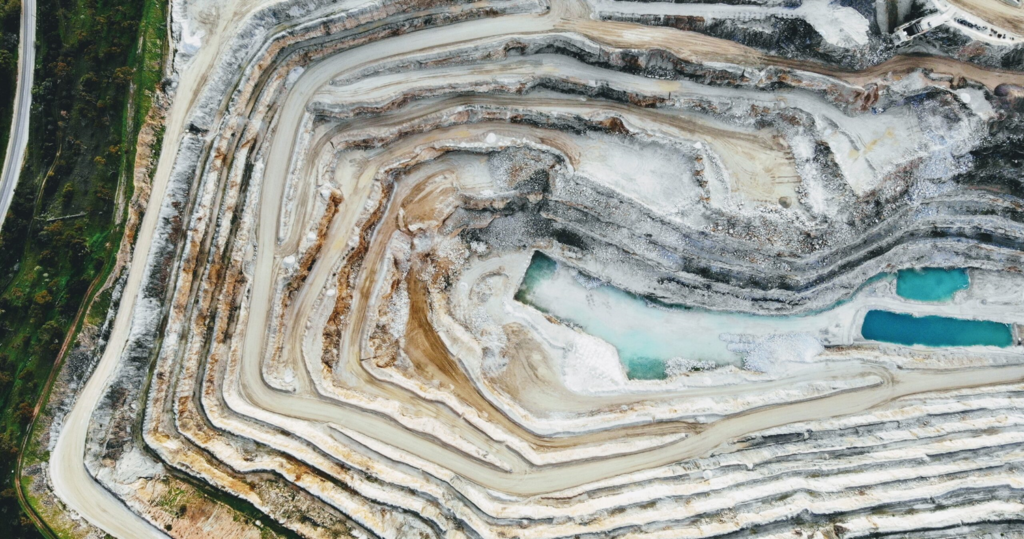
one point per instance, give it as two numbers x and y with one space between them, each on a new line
326 326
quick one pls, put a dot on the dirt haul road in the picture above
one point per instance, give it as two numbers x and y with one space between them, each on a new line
72 483
322 409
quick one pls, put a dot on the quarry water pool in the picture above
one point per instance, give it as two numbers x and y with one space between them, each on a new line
931 284
909 330
648 335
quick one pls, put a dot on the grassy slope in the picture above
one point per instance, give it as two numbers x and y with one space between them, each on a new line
82 143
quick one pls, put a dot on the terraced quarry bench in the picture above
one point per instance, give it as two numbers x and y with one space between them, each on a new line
562 269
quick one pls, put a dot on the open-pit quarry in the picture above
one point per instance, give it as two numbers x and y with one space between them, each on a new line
558 269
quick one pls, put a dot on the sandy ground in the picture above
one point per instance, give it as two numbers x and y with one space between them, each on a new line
995 12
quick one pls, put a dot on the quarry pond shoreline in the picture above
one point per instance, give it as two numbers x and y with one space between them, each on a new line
653 338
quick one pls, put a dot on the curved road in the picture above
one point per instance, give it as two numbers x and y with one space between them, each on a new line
71 481
22 103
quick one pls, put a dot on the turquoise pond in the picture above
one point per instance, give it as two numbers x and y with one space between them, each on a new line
647 334
931 284
644 334
552 291
909 330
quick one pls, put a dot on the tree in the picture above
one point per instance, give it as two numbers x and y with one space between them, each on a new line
16 297
43 298
123 75
50 333
67 195
7 61
61 70
24 412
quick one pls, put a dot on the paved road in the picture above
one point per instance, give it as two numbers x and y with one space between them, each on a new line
22 103
11 170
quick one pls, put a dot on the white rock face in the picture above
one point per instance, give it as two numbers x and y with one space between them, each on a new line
764 354
838 25
592 367
191 38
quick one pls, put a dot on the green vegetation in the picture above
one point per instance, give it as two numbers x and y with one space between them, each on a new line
173 501
243 510
10 20
98 65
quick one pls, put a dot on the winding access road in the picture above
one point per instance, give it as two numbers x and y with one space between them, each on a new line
22 105
320 408
72 482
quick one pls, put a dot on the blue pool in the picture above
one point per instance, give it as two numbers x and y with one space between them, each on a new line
909 330
644 368
931 284
647 334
